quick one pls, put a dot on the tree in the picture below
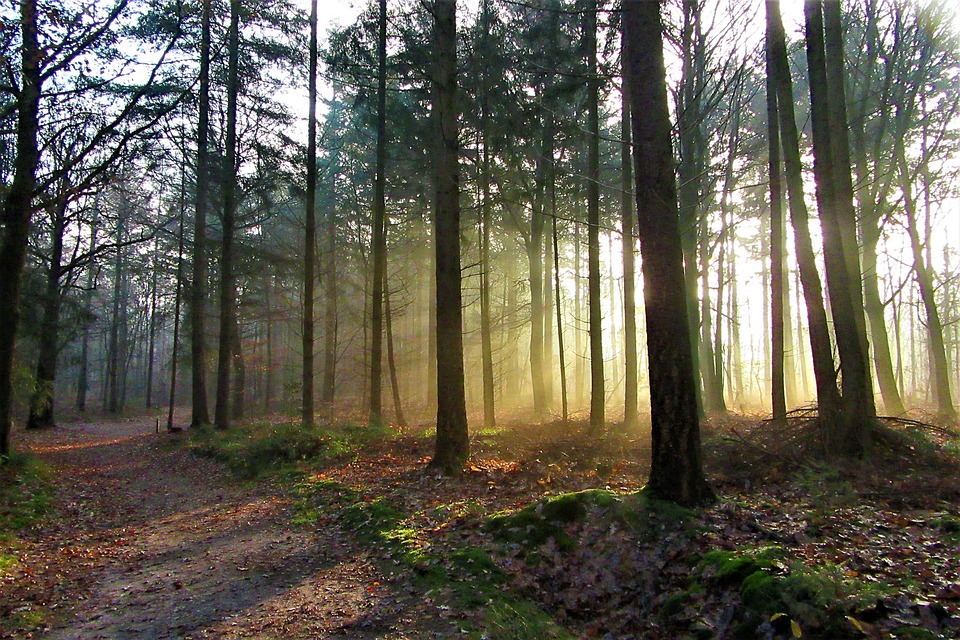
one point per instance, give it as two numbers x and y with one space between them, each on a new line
198 291
597 395
227 291
310 230
18 209
838 222
828 396
452 442
778 387
379 226
676 467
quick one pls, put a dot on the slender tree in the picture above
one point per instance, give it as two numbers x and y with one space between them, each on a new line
379 227
835 205
597 394
198 291
310 231
229 172
778 388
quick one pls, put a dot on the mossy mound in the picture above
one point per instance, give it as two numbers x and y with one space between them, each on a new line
533 525
785 598
548 518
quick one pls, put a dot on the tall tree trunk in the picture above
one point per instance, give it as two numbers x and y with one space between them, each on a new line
379 228
238 387
392 361
452 443
564 404
535 262
630 410
18 209
221 416
691 166
178 302
152 331
330 312
676 467
116 354
835 203
41 414
486 344
828 396
939 369
597 394
777 298
310 233
83 380
198 292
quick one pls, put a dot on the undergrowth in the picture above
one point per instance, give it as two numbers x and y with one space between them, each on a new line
255 449
25 493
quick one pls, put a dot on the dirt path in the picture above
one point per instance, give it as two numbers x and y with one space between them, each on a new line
151 542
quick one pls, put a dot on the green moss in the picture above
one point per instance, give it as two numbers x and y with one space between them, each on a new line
25 492
260 448
519 621
533 525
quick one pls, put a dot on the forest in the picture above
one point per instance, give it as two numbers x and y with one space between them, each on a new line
564 249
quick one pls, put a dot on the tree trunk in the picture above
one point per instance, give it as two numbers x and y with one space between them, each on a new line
564 405
535 262
392 361
676 467
221 416
152 337
83 381
310 231
777 337
178 301
486 344
630 410
828 396
835 203
379 228
17 211
940 370
597 394
198 292
41 414
452 443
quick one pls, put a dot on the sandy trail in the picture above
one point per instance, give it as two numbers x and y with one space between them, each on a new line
152 542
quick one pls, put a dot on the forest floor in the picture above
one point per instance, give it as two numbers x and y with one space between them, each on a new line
546 535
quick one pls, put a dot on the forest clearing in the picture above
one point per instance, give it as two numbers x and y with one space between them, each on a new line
322 535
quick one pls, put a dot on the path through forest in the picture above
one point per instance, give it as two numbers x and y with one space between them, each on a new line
152 542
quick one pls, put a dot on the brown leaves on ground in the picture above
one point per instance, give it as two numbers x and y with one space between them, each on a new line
885 534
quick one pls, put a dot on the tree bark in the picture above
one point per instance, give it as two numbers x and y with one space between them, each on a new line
452 442
41 415
198 292
17 210
227 296
676 467
486 341
597 394
777 338
828 396
379 228
310 231
630 409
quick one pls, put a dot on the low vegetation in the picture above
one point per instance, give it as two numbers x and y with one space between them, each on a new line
548 534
